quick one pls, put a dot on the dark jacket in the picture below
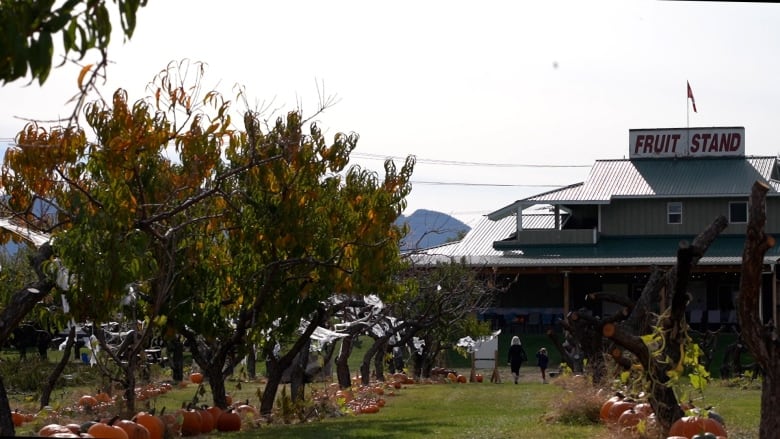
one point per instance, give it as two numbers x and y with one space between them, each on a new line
542 360
517 355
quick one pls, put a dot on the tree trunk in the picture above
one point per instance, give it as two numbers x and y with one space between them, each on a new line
760 339
672 326
24 300
251 362
271 387
6 420
218 392
48 386
176 352
770 401
365 365
298 375
278 365
379 365
14 312
327 361
342 368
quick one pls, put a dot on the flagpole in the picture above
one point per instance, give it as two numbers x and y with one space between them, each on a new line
687 106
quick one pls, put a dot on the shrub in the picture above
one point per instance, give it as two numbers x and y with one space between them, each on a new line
579 405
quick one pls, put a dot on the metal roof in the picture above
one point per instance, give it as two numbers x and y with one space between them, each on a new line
661 178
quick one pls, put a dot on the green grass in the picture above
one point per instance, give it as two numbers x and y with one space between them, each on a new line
473 410
485 410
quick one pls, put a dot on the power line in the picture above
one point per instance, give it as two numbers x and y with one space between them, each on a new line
461 163
456 183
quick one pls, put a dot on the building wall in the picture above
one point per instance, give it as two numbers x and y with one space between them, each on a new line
649 216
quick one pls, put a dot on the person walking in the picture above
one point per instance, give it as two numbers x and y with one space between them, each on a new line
542 359
516 357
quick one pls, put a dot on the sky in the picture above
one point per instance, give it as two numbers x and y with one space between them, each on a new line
497 100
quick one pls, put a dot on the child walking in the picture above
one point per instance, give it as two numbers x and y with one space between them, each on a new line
542 360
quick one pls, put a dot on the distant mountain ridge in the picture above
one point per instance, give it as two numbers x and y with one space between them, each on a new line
428 228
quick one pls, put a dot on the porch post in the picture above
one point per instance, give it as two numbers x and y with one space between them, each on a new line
565 292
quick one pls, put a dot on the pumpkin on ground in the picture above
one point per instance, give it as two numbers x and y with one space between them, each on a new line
88 401
152 423
690 426
133 429
604 412
630 419
50 429
106 431
18 419
617 409
215 412
190 422
206 421
229 421
196 377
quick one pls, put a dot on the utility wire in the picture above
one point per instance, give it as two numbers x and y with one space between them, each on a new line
369 156
455 183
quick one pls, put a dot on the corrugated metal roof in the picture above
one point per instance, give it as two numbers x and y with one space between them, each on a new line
610 179
679 178
479 240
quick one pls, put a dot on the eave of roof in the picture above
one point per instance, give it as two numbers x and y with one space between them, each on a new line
608 252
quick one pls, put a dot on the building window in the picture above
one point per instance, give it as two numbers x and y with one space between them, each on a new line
738 212
674 213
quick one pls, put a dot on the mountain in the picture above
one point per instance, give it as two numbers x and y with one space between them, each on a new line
428 228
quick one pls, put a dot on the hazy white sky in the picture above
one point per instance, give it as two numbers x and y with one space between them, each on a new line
464 86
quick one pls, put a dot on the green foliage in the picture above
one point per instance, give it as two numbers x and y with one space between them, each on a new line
15 272
28 29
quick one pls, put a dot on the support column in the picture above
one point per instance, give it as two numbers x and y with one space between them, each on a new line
566 294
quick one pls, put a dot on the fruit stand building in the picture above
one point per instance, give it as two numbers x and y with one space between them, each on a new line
605 234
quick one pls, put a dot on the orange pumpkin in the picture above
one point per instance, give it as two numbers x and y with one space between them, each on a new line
690 426
644 408
206 421
479 377
190 422
106 431
50 429
134 430
88 401
215 412
103 397
630 418
74 428
196 377
369 408
247 410
229 421
604 412
617 409
18 419
153 424
172 424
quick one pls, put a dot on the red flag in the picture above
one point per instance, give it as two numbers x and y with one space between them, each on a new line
690 96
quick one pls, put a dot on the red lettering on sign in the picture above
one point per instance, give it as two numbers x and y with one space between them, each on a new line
695 143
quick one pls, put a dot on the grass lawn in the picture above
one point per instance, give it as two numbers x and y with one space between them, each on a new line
471 410
485 410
